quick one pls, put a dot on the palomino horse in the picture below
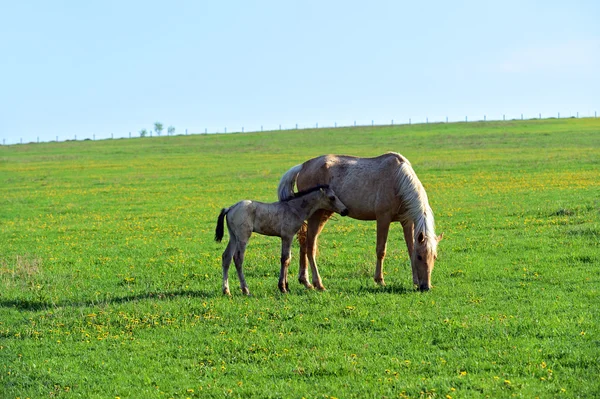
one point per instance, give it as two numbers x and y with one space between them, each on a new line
385 189
282 219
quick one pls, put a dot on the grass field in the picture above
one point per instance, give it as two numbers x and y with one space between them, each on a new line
110 281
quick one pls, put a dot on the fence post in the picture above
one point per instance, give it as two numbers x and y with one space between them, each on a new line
503 117
354 123
540 115
466 119
427 120
409 121
559 115
484 118
578 114
446 119
521 116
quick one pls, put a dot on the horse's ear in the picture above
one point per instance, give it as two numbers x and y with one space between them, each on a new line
440 237
421 238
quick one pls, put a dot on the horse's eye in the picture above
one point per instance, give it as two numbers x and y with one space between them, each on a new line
419 257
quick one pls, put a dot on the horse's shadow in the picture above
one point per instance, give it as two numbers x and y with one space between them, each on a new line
396 289
38 305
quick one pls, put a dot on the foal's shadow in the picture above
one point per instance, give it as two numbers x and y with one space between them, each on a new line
37 305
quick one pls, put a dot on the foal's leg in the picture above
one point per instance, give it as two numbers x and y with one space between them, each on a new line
383 227
227 256
286 248
238 259
408 228
315 226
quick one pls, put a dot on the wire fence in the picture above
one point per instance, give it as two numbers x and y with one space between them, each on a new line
144 133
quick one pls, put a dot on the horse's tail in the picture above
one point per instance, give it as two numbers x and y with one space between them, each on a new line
220 230
285 190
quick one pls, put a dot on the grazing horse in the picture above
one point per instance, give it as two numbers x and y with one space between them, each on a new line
385 189
282 219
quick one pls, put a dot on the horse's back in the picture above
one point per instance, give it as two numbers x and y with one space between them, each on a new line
367 186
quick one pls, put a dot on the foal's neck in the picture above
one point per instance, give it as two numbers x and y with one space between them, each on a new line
306 211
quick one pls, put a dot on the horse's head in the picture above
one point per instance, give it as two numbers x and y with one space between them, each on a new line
332 202
423 259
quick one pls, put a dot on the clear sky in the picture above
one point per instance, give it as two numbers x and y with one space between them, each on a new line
98 68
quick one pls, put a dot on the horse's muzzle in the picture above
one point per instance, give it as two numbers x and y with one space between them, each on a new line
344 212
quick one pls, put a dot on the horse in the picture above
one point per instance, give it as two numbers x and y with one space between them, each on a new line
384 188
281 219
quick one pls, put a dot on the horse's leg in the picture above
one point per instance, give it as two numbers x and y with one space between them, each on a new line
383 227
238 259
408 228
315 226
226 257
303 259
286 248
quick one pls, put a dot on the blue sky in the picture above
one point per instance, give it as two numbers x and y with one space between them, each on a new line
98 68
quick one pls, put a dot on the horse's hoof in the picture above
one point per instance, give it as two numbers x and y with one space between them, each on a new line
226 292
320 287
380 282
246 291
306 284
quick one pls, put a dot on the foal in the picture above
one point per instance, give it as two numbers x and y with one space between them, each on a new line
281 219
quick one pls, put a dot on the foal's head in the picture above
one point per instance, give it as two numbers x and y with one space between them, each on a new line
329 201
423 258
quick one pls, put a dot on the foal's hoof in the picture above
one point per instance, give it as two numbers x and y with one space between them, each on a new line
320 287
226 292
246 291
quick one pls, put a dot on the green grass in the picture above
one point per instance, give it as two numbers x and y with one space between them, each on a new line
110 281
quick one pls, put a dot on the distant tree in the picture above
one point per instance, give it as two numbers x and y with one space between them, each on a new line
158 127
171 130
143 133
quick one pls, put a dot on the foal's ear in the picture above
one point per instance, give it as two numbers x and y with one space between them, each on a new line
440 237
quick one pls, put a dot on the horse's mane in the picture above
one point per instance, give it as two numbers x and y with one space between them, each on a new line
306 192
416 205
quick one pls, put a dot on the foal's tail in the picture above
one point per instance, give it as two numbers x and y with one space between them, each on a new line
220 230
285 190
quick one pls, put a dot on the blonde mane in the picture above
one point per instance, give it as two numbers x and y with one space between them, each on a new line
415 205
